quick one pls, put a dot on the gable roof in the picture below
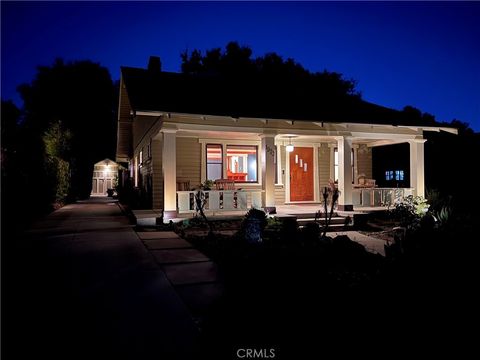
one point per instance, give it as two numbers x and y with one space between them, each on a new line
107 161
256 98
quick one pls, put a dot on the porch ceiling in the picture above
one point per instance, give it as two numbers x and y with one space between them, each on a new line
281 138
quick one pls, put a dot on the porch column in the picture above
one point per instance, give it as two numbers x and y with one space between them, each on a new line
417 166
169 170
268 172
345 202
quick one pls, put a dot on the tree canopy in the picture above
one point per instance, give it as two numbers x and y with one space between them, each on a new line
80 96
236 62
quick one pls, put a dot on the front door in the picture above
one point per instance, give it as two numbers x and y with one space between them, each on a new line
301 174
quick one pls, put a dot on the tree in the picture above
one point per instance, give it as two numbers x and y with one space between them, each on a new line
236 62
57 150
81 94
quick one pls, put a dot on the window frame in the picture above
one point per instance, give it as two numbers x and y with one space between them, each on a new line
257 167
336 166
206 159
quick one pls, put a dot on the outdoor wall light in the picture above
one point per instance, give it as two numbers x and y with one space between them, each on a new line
289 147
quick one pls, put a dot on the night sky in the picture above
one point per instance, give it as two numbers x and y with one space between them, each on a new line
401 53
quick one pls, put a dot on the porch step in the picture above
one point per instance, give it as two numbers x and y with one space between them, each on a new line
147 217
312 215
337 220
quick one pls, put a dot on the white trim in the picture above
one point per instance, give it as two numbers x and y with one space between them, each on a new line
332 161
279 165
316 185
316 191
355 163
148 113
224 142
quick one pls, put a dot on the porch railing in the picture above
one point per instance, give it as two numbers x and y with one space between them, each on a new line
220 200
379 196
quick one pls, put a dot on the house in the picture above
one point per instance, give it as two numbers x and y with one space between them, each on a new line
278 146
105 176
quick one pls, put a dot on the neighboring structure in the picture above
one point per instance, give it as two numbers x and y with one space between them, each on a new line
105 176
173 127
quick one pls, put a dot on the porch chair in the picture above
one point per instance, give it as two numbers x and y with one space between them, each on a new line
224 184
183 185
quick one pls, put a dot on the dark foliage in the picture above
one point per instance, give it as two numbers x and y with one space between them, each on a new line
49 146
80 94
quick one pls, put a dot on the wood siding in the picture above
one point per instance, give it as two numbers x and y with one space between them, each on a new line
323 165
279 195
157 173
189 160
364 161
144 128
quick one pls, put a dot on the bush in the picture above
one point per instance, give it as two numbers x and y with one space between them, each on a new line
410 211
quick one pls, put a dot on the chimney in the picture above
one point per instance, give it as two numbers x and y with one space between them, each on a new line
154 64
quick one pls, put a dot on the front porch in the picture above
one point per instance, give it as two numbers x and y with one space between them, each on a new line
237 202
274 164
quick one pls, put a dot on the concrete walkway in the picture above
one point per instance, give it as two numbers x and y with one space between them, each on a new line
85 287
194 276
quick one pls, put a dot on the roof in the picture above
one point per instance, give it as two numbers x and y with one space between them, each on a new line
107 161
255 98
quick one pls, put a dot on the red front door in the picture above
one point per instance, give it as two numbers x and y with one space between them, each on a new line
301 174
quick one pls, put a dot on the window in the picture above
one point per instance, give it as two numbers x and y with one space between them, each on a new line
242 164
141 158
389 175
136 171
399 175
214 161
149 149
336 166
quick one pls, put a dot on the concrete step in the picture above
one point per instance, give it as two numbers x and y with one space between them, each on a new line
331 227
335 220
311 215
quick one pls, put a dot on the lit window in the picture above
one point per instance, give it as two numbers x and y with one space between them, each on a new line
389 175
242 163
399 175
214 161
141 157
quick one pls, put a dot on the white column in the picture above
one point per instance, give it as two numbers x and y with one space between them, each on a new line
355 162
417 167
268 171
169 170
345 201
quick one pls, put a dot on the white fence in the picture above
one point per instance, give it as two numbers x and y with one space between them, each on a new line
379 196
220 200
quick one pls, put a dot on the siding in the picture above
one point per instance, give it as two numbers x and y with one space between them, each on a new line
364 161
157 173
323 165
142 130
189 160
279 195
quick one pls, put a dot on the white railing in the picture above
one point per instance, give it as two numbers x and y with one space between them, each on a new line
220 200
379 196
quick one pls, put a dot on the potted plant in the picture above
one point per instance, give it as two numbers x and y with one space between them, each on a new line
207 185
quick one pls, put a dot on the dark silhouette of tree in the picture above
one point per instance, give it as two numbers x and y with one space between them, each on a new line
236 62
80 94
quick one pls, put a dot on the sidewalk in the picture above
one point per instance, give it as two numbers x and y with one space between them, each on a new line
85 287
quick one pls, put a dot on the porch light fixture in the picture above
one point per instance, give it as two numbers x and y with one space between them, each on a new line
289 147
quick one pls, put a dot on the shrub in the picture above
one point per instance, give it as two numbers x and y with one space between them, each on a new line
410 211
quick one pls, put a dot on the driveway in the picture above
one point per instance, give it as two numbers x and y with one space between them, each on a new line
81 285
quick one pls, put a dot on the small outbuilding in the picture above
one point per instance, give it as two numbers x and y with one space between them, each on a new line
105 176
